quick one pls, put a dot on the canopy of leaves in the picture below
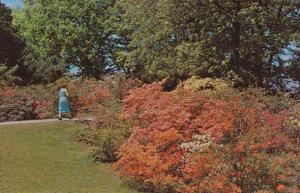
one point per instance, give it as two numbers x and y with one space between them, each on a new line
64 33
241 41
10 45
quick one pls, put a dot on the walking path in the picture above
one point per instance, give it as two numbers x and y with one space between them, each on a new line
44 121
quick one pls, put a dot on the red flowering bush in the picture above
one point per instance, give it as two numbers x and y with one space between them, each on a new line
6 92
94 99
17 107
43 109
186 142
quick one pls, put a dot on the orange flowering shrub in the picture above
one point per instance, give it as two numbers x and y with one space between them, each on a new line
185 142
6 92
281 188
93 99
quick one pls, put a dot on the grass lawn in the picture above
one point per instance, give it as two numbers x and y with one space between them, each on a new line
44 158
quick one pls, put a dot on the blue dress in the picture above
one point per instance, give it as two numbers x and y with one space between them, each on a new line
63 102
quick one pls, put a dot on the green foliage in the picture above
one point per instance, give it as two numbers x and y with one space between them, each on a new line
11 47
62 33
197 84
293 124
211 88
7 75
108 142
275 102
119 85
220 89
107 132
240 41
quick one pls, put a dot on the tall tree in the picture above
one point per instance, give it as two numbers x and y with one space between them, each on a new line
68 32
10 44
242 41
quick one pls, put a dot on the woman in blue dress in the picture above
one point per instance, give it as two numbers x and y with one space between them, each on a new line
63 103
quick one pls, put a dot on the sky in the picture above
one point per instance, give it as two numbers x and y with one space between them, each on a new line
12 3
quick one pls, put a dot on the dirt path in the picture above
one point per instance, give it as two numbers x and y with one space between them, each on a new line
43 121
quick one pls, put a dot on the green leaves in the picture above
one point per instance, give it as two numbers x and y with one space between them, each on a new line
7 75
70 31
10 46
240 39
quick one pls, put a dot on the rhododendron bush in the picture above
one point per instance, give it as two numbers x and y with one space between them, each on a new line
93 97
184 141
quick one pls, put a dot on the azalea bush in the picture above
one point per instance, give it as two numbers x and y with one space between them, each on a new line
43 97
93 98
14 107
191 141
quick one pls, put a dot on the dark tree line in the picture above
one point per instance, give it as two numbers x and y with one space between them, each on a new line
245 42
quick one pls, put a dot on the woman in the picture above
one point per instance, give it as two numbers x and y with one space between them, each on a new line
63 103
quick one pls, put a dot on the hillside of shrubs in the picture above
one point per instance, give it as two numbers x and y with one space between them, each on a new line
86 96
203 136
208 137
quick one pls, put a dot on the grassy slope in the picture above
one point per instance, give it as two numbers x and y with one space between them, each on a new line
44 158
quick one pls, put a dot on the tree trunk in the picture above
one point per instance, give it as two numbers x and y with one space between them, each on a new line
235 39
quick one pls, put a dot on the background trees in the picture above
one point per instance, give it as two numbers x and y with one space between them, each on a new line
10 46
242 41
64 33
245 42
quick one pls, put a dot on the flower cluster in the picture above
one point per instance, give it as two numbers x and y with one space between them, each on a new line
199 143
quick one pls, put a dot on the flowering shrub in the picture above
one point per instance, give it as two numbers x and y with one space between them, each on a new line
17 107
94 99
197 84
5 92
184 141
86 96
43 98
43 109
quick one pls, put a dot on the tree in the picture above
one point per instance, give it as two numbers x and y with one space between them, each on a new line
241 41
10 46
64 33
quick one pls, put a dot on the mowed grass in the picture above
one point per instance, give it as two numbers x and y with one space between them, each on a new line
45 158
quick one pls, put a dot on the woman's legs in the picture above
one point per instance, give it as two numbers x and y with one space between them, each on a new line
59 115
